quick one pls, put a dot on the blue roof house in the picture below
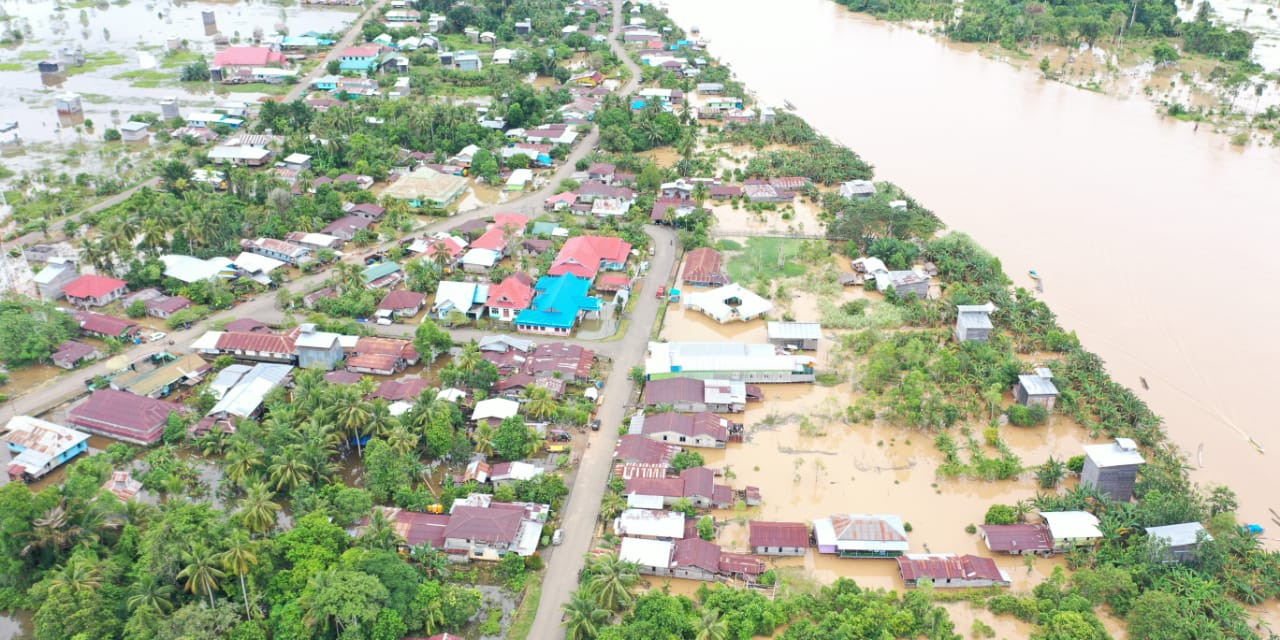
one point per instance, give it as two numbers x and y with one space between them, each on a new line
559 302
361 59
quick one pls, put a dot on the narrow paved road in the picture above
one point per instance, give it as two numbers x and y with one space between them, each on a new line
346 41
578 515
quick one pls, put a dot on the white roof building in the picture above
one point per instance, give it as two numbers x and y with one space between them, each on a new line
458 296
41 443
247 393
642 501
519 178
259 267
495 409
699 359
1122 452
855 534
646 553
238 154
1072 525
1179 535
482 258
650 523
189 269
730 302
451 395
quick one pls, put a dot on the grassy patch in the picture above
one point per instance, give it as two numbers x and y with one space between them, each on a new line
34 55
260 87
83 4
99 60
145 77
728 245
767 255
96 98
178 59
463 92
522 620
12 66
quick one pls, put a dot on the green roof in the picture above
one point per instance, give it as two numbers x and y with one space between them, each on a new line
544 228
380 270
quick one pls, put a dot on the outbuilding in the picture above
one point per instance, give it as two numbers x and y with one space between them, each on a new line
1112 468
973 322
795 335
1179 541
1036 389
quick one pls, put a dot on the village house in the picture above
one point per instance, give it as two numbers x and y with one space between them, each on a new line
509 297
123 416
161 381
637 449
651 524
696 484
347 226
515 471
861 536
948 571
122 485
514 386
314 241
382 275
246 346
52 279
725 192
973 322
402 351
857 189
241 390
189 270
240 156
728 303
468 298
414 528
1178 542
360 59
481 528
795 335
316 349
94 290
1071 529
425 186
281 250
751 363
692 395
551 134
403 304
480 261
1017 539
669 210
704 429
72 353
37 447
166 306
703 268
237 64
558 304
104 326
440 249
134 131
778 538
1036 389
560 359
914 283
495 410
602 172
378 364
585 256
679 190
1112 468
256 267
690 558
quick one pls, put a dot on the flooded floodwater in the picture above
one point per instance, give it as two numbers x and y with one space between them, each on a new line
118 38
1109 202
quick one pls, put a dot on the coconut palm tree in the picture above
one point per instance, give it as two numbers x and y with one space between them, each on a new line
401 440
470 358
243 461
52 532
612 579
354 418
239 559
257 511
288 471
151 592
539 403
711 626
201 571
78 576
380 535
612 505
585 617
380 419
483 436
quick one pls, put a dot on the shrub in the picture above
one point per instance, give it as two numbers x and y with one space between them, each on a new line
1000 514
1027 416
1075 464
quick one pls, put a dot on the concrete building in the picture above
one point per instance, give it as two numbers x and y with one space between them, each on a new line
973 322
1037 388
1112 468
795 335
425 186
753 363
728 303
52 279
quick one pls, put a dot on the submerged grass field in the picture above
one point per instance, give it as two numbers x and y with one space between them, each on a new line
779 256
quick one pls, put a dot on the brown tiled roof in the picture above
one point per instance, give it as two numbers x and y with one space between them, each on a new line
260 342
778 534
696 552
484 525
120 413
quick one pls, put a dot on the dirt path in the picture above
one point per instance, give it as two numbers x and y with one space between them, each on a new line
579 513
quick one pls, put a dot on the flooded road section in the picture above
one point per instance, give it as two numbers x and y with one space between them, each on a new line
124 38
1146 232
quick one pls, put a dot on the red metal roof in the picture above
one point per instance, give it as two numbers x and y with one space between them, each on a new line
612 282
740 563
673 390
666 487
373 362
636 448
401 299
484 525
404 389
601 169
347 223
1017 537
104 324
260 342
168 304
247 57
494 240
696 552
517 221
419 528
568 359
514 292
341 376
582 255
120 413
866 529
688 424
698 481
93 286
384 346
778 534
948 567
362 51
703 266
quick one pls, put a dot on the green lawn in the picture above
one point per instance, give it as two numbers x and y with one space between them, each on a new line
179 59
34 55
146 78
767 256
98 60
12 66
260 87
522 621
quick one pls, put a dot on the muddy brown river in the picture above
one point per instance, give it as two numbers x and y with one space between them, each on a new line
1154 240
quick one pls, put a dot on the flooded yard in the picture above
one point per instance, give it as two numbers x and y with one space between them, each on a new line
127 65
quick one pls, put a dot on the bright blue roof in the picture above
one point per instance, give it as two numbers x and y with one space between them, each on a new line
360 64
558 302
638 104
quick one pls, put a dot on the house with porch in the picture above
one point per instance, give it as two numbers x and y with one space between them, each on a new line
99 325
511 296
861 536
94 291
468 298
558 304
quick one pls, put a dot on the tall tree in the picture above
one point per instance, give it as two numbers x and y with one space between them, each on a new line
240 558
201 571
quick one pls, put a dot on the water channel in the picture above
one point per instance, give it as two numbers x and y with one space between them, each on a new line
1154 239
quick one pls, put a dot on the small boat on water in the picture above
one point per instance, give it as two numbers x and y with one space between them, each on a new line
1034 274
788 105
1144 382
1252 529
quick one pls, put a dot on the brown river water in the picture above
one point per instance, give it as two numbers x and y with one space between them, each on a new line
1109 202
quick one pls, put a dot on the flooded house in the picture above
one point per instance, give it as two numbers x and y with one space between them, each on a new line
39 446
861 536
317 349
973 322
778 538
729 303
745 362
690 558
585 256
247 346
425 186
1179 542
72 353
1071 529
795 335
123 416
242 390
1036 389
99 325
402 303
1017 539
696 484
857 189
94 290
467 298
122 485
651 524
949 571
53 279
559 302
1112 468
704 267
687 429
495 410
237 64
637 449
692 395
914 283
157 377
481 528
132 131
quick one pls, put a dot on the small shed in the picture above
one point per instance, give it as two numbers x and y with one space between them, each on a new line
796 335
132 131
1180 540
905 283
1112 468
973 322
1036 388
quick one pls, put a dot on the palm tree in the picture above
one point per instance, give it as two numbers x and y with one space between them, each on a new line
78 576
243 461
1051 473
380 419
353 418
151 592
52 532
539 403
214 442
612 579
257 511
401 440
711 626
201 571
239 559
470 358
380 535
483 435
612 505
288 470
585 618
